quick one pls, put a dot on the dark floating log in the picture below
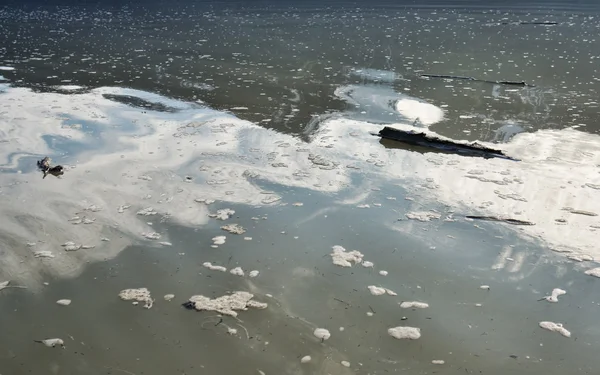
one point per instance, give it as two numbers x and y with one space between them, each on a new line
540 23
424 140
447 76
496 218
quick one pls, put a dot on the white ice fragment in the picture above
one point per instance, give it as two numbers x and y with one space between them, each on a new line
6 68
345 259
363 206
322 333
485 287
305 359
414 305
64 302
122 208
210 266
555 293
383 273
253 273
226 304
151 235
247 238
298 204
410 333
51 343
233 228
555 327
423 215
43 254
169 297
438 362
593 272
345 363
219 240
222 214
237 271
71 246
4 284
148 211
165 243
145 177
231 331
367 264
376 291
138 295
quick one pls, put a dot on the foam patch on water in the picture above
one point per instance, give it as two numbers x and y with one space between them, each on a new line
137 295
420 111
414 305
322 333
343 258
210 266
227 305
555 327
408 333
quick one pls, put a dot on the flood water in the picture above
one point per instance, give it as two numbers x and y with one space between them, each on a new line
172 122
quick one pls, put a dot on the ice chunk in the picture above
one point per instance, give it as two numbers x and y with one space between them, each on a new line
210 266
234 228
253 273
169 297
378 291
139 295
414 305
226 305
64 302
410 333
322 333
238 271
345 259
305 359
593 272
219 240
423 215
555 327
223 214
383 273
43 254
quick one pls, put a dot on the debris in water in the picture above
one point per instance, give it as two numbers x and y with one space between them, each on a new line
51 343
169 297
225 304
593 272
139 295
423 216
554 296
510 83
233 228
151 235
253 273
222 214
237 271
64 302
410 333
555 327
219 240
378 291
345 259
414 305
305 359
322 333
497 218
210 266
47 254
44 166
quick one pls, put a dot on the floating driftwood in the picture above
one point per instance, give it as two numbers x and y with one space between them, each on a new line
424 140
502 82
540 23
503 219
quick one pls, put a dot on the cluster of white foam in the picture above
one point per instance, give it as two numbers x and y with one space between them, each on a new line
228 304
137 295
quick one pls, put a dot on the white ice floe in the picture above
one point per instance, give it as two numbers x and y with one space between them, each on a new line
423 216
227 305
322 333
485 287
148 211
238 271
410 333
367 264
555 293
378 291
345 363
222 214
593 272
219 240
64 302
234 228
438 362
138 295
253 273
210 266
414 305
151 235
43 254
383 273
169 297
344 258
555 327
305 359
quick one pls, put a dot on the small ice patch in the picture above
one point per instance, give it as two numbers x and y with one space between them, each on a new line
555 293
238 271
383 273
305 359
378 291
423 216
253 273
485 287
169 297
64 302
367 264
593 272
165 243
345 259
410 333
210 266
322 333
438 362
219 240
555 327
298 204
345 363
151 235
71 246
233 228
414 305
6 68
148 211
43 254
226 305
231 331
139 295
223 214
